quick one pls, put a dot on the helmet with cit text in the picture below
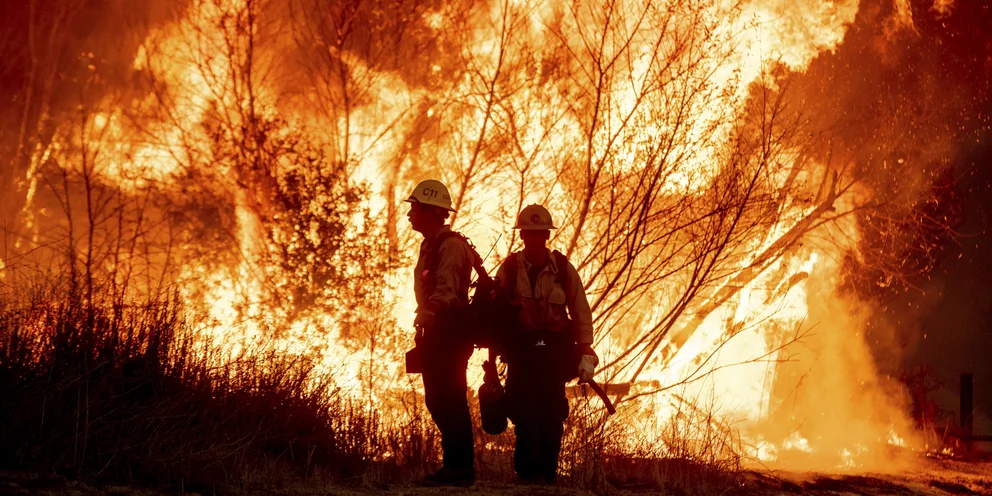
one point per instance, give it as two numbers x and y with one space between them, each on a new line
534 218
431 192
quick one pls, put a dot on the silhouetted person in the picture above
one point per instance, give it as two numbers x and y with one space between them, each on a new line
552 343
441 282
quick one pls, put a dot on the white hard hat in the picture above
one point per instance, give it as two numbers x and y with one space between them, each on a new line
431 192
533 218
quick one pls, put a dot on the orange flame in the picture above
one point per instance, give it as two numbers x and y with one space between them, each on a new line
814 403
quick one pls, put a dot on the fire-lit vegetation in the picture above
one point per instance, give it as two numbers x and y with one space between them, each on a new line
205 266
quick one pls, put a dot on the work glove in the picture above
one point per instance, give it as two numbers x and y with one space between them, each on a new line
587 364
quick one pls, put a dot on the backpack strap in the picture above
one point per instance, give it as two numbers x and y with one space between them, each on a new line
561 261
511 274
433 262
439 240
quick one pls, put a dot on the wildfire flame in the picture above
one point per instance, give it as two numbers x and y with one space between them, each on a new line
770 346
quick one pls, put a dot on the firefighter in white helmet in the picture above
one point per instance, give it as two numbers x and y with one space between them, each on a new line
441 282
552 344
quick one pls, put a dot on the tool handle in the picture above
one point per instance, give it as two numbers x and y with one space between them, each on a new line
602 395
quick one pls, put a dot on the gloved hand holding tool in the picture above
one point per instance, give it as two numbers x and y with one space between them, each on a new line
415 357
587 369
425 319
587 366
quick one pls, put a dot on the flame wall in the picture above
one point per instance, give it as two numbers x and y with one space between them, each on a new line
707 160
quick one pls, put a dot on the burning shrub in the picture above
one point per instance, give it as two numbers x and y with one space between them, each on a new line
295 218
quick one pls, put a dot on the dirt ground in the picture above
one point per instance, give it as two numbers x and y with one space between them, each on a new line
932 477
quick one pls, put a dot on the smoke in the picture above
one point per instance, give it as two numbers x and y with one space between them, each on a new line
901 100
832 408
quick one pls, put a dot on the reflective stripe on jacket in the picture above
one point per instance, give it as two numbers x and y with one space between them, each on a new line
452 276
543 308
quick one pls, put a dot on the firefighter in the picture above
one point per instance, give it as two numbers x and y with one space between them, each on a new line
441 282
550 345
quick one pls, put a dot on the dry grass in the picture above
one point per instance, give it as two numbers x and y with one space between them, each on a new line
132 394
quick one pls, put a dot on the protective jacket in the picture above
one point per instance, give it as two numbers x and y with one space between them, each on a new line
451 277
547 305
441 286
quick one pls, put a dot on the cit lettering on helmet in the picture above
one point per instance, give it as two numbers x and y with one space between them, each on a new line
431 192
